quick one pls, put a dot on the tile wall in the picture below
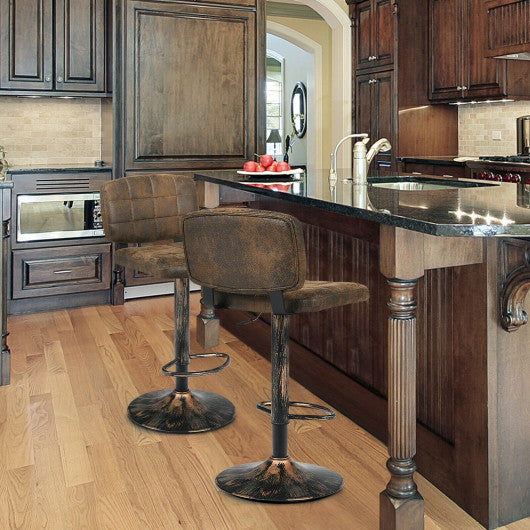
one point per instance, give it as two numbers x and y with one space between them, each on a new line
488 129
36 131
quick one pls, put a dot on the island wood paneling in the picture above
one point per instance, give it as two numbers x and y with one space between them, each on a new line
351 343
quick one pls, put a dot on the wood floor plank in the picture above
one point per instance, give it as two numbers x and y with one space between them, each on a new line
70 458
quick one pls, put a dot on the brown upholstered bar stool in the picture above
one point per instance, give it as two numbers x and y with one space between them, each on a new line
145 209
255 261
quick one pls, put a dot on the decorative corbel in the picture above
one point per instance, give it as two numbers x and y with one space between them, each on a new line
513 295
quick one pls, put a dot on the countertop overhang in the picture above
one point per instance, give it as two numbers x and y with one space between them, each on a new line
482 210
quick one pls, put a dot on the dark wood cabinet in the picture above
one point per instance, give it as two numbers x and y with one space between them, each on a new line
374 35
458 43
374 111
449 170
61 270
53 46
188 86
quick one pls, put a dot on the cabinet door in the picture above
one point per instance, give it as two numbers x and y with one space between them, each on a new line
383 41
80 45
374 111
374 34
26 53
383 116
446 55
189 86
363 40
483 76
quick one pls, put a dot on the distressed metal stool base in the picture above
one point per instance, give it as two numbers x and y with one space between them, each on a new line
279 480
181 412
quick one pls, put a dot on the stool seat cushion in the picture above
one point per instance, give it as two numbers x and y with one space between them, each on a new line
162 261
312 296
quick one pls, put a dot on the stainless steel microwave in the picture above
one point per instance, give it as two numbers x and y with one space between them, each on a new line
58 216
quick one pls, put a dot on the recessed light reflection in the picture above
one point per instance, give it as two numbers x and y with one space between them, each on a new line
476 217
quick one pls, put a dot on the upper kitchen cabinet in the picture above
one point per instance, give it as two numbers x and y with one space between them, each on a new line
53 46
186 87
374 33
458 44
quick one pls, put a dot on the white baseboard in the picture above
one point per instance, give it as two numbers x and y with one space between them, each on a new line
155 289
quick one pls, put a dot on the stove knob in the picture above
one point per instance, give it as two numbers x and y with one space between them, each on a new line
516 177
490 175
507 177
497 177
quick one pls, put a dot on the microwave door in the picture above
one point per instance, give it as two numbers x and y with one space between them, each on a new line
61 216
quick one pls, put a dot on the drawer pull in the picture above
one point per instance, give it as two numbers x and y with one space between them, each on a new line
66 271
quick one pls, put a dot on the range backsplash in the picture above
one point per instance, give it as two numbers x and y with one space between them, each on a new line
478 123
40 131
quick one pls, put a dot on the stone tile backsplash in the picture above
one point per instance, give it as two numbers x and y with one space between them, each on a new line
68 131
53 131
480 125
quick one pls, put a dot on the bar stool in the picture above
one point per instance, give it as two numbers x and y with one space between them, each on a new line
145 209
255 261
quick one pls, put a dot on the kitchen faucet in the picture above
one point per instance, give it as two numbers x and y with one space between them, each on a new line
361 157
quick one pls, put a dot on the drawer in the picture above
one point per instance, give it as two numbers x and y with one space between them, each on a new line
61 270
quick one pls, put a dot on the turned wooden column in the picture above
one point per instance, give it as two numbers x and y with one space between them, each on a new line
401 505
207 328
405 255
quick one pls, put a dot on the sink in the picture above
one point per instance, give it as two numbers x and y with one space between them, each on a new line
408 183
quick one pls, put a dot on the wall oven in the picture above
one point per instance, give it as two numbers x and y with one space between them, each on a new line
58 216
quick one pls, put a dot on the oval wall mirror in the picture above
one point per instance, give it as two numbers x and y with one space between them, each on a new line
299 109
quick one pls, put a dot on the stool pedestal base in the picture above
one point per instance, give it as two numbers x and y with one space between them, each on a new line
181 412
279 480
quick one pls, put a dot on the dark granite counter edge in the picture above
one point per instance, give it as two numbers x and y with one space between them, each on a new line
85 169
432 161
425 227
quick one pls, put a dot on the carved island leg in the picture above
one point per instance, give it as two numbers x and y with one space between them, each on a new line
401 505
207 328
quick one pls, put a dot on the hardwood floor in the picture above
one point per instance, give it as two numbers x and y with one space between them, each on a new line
70 459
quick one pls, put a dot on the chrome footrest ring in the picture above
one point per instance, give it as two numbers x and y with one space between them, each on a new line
329 414
198 373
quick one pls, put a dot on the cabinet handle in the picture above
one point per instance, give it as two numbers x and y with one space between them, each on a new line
47 78
60 79
464 87
372 57
459 88
66 271
416 173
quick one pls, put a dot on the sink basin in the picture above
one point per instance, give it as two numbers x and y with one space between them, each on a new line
408 183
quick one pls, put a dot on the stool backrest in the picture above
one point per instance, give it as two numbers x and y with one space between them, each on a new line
142 208
246 251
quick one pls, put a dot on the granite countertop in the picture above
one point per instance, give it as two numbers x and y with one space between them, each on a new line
484 209
434 160
60 168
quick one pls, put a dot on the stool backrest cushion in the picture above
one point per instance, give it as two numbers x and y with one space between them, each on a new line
142 208
244 251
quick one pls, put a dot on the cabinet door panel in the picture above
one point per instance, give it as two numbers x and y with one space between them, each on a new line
364 34
26 60
383 116
445 21
485 76
363 105
190 86
80 45
384 33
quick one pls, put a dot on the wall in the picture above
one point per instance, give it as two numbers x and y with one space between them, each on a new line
50 131
298 66
477 123
319 32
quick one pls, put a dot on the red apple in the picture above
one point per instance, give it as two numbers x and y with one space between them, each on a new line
260 168
283 166
266 160
273 166
250 165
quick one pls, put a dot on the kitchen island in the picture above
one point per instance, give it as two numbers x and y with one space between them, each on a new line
452 262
